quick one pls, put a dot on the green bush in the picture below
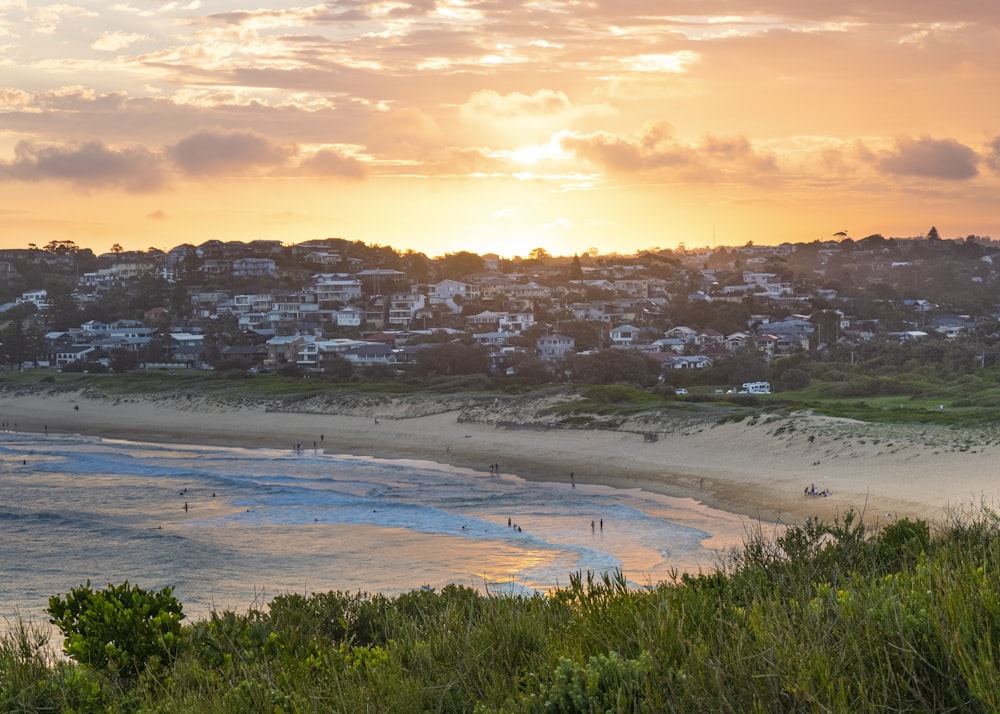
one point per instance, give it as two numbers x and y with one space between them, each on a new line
121 630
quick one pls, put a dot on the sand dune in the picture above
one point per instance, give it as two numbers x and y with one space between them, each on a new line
758 467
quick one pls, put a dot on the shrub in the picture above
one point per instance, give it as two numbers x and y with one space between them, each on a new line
120 630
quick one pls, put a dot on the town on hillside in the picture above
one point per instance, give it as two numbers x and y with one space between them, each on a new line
346 309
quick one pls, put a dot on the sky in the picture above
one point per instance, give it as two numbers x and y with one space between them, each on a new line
497 125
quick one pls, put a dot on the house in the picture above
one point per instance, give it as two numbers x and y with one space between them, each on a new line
668 344
349 317
486 319
919 305
708 336
683 333
95 327
68 355
284 348
736 341
402 308
550 346
497 339
155 314
371 353
39 298
448 288
766 344
254 355
329 289
684 361
624 334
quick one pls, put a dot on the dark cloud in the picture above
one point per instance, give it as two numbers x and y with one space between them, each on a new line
992 156
930 158
214 153
333 164
86 166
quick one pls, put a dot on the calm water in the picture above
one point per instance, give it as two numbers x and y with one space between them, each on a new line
263 522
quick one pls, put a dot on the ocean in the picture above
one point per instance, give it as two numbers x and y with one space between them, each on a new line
230 528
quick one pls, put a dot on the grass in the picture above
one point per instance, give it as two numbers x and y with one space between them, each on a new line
967 401
825 617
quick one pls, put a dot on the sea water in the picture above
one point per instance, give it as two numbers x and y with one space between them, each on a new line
230 528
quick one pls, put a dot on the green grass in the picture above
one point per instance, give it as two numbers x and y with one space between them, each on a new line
914 399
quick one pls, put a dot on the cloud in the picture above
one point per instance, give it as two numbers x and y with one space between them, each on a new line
559 224
156 215
656 149
333 164
992 157
114 41
404 132
653 148
86 166
216 153
544 102
945 159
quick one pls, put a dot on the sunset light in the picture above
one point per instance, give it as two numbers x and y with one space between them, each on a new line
412 124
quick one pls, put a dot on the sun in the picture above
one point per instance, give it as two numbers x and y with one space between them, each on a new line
535 153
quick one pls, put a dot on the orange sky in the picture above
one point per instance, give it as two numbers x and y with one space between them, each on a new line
497 125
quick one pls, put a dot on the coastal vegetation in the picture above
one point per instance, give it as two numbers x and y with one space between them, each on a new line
826 616
958 400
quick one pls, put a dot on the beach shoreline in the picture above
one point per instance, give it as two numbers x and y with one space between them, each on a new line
759 467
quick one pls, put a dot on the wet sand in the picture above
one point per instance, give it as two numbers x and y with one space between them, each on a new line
758 467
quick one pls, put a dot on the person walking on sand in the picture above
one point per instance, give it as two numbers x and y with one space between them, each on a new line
591 526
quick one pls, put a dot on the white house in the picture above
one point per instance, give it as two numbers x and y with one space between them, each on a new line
624 334
555 345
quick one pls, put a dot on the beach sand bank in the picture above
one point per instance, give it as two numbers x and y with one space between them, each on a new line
758 467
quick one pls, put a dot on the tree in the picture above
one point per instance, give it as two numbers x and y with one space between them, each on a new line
457 265
417 266
123 360
451 358
587 335
64 312
615 367
14 342
61 247
338 368
932 234
529 369
576 269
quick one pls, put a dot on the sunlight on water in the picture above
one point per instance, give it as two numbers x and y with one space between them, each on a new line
231 528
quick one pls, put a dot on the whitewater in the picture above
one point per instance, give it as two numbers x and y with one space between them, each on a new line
230 528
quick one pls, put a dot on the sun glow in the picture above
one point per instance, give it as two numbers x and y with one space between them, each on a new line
534 153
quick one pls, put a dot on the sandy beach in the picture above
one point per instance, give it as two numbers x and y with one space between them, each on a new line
759 467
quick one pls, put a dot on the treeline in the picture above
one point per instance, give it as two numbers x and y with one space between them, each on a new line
823 617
